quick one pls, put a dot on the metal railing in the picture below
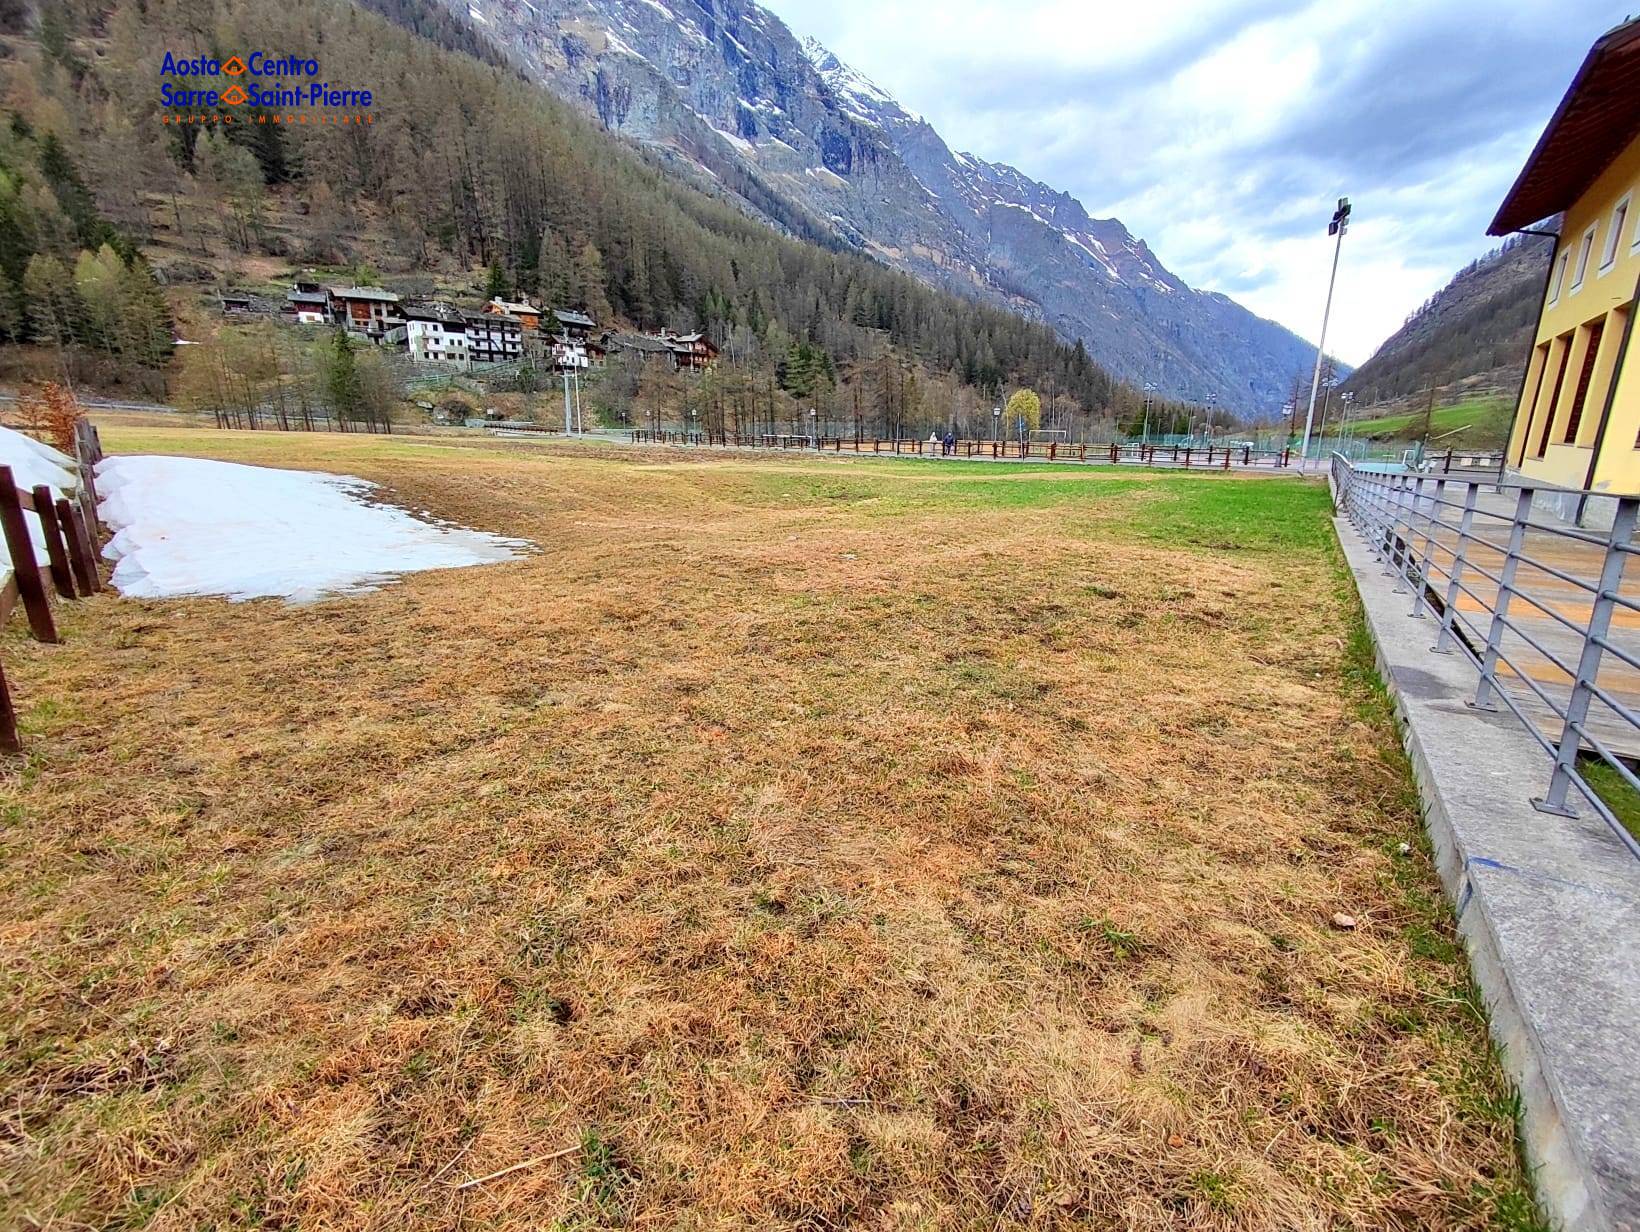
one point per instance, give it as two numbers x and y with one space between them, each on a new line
1528 599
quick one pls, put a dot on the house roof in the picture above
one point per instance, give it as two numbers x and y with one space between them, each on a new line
447 314
1595 122
490 318
568 316
308 297
639 342
508 307
375 293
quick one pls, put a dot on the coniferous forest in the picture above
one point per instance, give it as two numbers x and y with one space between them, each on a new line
464 166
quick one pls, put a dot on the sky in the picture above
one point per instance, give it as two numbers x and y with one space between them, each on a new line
1224 131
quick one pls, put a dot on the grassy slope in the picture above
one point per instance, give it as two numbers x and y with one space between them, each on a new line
790 843
1485 420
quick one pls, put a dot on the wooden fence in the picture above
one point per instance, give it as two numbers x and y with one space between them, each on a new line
274 419
1203 457
71 534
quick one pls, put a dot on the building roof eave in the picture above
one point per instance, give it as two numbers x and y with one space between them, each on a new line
1594 123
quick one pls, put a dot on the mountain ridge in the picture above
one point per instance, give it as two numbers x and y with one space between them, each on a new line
1475 331
816 147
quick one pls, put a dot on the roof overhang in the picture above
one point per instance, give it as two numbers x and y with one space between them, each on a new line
1595 122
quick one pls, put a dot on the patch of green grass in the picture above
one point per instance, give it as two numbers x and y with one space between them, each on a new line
1122 943
1614 789
1484 423
1214 1191
1453 1014
1237 514
1213 512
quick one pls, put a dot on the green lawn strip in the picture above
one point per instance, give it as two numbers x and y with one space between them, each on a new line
1614 789
1485 422
1453 1013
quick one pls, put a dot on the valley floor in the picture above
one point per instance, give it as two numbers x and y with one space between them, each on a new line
791 842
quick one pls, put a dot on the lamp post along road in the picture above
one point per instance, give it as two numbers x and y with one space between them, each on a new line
1340 223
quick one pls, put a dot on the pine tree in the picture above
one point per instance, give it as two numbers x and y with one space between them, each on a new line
495 284
53 314
594 283
343 389
11 308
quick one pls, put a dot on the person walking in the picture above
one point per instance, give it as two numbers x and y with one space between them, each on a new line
950 443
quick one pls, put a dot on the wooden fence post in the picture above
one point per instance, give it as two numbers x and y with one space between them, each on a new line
8 719
61 576
24 567
80 552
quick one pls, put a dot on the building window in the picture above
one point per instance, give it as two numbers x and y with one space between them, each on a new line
1620 218
1559 354
1583 251
1560 276
1591 352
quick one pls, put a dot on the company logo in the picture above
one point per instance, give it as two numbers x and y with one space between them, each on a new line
281 89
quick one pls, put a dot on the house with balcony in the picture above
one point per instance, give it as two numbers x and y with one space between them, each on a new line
436 333
368 311
308 303
691 352
577 325
494 337
527 314
1577 424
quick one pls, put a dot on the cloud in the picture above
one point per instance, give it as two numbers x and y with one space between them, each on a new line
1222 131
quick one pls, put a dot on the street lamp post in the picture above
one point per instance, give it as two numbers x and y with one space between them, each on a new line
1149 390
1327 384
813 439
1337 227
996 424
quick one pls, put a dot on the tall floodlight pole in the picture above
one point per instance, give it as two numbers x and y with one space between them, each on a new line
1149 390
1340 223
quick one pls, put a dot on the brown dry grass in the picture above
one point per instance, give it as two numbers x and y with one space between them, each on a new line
806 844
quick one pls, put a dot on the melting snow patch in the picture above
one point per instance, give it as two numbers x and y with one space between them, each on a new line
186 526
740 143
34 463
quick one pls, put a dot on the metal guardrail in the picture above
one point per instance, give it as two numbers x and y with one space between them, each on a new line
1473 555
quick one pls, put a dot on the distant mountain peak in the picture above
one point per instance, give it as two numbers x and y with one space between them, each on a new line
853 86
726 94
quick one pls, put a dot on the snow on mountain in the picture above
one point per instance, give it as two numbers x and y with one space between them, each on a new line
723 91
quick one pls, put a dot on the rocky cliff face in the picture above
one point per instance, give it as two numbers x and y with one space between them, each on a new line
725 92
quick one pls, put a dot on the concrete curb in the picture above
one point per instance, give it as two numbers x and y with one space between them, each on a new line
1549 909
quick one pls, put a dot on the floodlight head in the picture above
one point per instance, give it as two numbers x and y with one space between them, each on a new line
1341 217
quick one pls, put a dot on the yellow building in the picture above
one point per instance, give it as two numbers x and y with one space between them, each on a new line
1578 421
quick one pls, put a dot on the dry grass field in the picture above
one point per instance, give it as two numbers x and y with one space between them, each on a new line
790 843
